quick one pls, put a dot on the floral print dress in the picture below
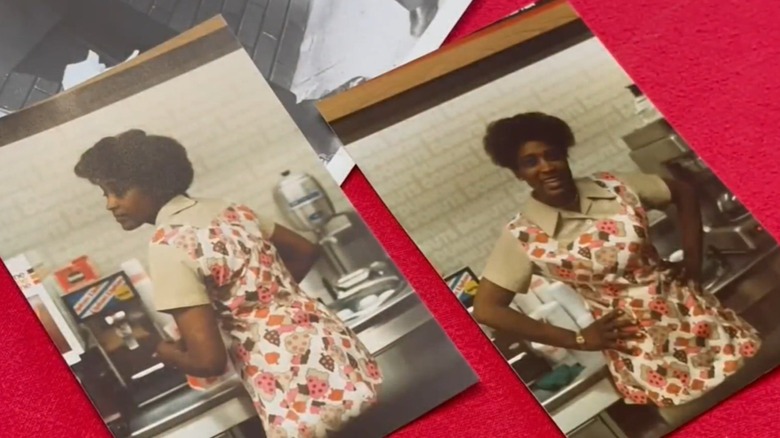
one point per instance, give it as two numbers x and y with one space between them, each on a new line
691 342
305 370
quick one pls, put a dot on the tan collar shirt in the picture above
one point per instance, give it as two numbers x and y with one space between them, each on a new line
177 277
509 267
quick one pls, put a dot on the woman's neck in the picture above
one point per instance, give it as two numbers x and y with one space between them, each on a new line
566 201
160 203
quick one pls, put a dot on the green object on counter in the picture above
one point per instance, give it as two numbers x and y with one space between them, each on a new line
558 378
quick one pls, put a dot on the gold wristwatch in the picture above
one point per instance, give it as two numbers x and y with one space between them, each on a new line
579 339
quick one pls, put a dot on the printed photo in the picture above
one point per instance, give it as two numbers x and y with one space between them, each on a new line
198 268
626 285
306 49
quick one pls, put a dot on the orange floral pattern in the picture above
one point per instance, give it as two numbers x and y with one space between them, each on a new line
306 371
691 342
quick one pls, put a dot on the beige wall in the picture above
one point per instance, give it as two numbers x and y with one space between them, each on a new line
432 173
238 135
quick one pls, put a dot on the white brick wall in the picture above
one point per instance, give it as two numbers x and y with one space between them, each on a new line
238 135
433 174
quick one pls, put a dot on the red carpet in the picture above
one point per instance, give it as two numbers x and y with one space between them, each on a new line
709 67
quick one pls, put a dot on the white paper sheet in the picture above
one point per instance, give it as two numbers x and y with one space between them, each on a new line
347 40
340 165
83 71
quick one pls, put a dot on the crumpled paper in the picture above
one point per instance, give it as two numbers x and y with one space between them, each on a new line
83 71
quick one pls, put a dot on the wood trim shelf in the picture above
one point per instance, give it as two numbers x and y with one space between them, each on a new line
490 41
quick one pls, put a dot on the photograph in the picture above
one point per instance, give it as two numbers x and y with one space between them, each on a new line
197 267
63 335
627 286
307 49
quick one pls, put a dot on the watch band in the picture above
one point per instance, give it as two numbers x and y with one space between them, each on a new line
579 339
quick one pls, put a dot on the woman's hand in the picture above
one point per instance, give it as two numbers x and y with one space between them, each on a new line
200 352
681 274
296 252
608 332
167 351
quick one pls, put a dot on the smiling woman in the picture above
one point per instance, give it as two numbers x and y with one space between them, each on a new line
666 341
217 265
541 162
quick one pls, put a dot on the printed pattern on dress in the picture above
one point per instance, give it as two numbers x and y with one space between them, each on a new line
306 371
691 342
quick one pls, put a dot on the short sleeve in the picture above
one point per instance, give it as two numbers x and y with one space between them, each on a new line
267 225
176 279
508 266
651 189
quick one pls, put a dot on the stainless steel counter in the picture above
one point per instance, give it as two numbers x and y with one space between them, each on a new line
582 383
739 265
379 331
396 319
392 307
181 406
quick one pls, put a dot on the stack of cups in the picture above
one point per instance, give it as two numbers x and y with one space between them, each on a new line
570 300
553 314
575 306
527 302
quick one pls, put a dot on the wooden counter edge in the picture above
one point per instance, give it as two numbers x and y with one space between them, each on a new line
480 45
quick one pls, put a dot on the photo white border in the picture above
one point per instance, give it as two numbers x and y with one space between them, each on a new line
20 264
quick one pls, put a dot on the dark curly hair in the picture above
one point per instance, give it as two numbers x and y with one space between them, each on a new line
156 164
504 137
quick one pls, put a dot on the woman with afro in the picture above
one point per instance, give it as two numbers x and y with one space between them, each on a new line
220 269
666 340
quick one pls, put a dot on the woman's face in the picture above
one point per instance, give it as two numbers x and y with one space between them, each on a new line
131 206
546 170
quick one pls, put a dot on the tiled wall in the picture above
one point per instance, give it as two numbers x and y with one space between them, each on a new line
433 174
270 30
237 134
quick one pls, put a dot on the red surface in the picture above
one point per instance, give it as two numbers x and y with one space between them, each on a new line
709 66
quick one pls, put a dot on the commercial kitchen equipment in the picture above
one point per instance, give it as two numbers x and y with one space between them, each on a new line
358 276
115 319
729 227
